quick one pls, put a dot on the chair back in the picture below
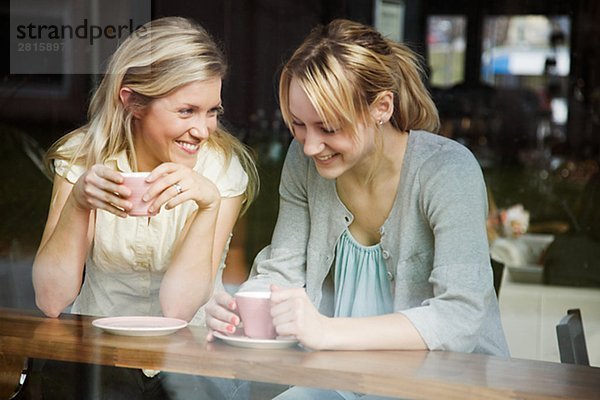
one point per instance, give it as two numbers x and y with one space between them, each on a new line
571 339
498 270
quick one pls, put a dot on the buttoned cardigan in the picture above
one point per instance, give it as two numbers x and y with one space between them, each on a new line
433 241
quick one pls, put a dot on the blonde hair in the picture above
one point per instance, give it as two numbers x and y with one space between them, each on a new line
160 57
344 68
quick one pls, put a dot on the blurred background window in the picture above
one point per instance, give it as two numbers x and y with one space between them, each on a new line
446 43
520 49
389 18
531 52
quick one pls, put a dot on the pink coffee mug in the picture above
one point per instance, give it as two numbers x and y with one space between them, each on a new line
136 181
255 312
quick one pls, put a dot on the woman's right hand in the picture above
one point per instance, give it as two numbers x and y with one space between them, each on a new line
101 188
221 315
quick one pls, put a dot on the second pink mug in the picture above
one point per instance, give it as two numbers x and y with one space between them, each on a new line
255 312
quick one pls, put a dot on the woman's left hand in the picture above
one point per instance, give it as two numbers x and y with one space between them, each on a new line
173 184
295 315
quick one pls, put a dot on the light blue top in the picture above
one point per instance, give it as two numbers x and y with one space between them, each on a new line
362 288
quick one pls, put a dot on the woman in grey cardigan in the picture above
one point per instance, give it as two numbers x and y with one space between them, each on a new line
381 239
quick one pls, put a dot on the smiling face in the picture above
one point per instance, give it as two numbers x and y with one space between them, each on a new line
172 128
333 149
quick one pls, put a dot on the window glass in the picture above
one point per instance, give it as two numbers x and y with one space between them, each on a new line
531 52
524 46
446 43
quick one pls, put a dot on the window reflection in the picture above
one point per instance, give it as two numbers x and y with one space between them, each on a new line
446 43
524 46
531 52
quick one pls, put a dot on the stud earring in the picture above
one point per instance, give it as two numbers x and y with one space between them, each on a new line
380 122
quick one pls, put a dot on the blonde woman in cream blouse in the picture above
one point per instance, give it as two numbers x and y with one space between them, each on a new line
156 110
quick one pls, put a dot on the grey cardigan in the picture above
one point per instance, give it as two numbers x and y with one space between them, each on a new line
434 243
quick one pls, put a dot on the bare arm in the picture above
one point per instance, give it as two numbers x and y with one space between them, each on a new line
68 234
383 332
188 282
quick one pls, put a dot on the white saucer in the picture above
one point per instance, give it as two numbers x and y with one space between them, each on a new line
140 326
240 340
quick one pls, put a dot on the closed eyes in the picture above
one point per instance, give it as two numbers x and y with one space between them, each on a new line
323 128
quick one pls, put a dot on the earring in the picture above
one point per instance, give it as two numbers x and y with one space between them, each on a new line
380 122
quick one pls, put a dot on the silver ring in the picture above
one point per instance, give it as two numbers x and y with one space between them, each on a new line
177 187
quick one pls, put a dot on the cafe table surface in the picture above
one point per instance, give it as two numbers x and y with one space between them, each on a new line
404 374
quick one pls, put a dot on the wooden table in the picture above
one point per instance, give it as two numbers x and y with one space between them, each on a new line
406 374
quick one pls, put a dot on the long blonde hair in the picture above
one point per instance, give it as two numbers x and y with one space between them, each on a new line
157 59
344 67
